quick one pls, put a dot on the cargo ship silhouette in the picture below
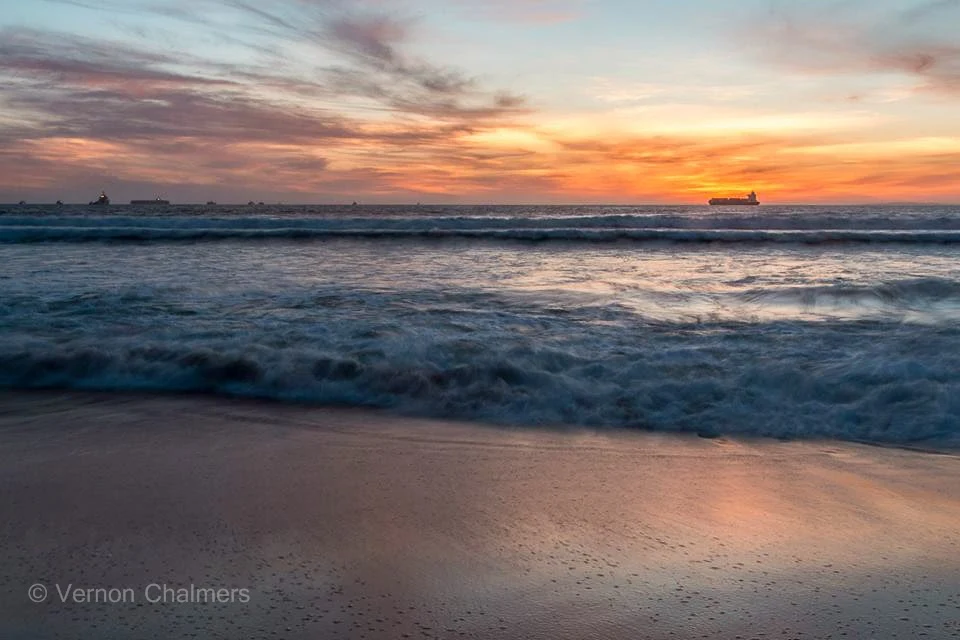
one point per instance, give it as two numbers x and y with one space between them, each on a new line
751 199
157 200
102 200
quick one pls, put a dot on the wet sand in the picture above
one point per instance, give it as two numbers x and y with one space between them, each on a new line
355 524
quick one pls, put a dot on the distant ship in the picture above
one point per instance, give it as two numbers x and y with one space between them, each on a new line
157 200
751 199
211 202
103 199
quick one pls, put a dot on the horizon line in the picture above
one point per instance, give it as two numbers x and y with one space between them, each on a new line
490 204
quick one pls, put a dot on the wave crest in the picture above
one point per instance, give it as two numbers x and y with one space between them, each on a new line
637 228
873 392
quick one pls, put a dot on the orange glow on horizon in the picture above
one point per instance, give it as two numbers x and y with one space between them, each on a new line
493 164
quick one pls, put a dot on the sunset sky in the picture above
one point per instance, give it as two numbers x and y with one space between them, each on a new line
513 101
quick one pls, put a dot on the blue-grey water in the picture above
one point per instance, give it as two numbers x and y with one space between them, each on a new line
785 321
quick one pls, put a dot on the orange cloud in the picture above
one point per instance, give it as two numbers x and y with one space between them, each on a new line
860 38
82 114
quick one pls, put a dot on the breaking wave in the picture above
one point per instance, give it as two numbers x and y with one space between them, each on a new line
636 228
919 293
880 384
857 341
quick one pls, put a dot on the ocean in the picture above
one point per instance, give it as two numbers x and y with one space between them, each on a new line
783 321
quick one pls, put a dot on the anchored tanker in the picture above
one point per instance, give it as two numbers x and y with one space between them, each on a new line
751 199
157 200
102 200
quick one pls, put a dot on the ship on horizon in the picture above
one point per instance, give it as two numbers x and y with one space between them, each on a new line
750 200
157 200
101 200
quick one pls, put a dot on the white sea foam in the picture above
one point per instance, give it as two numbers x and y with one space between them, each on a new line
194 233
696 227
779 327
788 380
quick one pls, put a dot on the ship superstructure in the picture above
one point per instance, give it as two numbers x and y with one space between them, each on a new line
102 199
751 199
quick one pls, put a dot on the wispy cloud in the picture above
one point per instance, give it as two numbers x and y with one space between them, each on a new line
380 71
542 12
69 60
858 38
172 116
336 99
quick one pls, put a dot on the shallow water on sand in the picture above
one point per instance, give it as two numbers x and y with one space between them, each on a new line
352 523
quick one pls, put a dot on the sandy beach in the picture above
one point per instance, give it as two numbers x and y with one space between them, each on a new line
355 524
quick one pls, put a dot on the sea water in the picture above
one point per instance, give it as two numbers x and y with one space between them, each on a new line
779 321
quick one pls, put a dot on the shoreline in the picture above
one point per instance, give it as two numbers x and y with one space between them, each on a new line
348 523
28 397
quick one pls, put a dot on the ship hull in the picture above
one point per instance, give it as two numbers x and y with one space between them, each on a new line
733 202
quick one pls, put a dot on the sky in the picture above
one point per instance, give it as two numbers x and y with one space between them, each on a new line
470 101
